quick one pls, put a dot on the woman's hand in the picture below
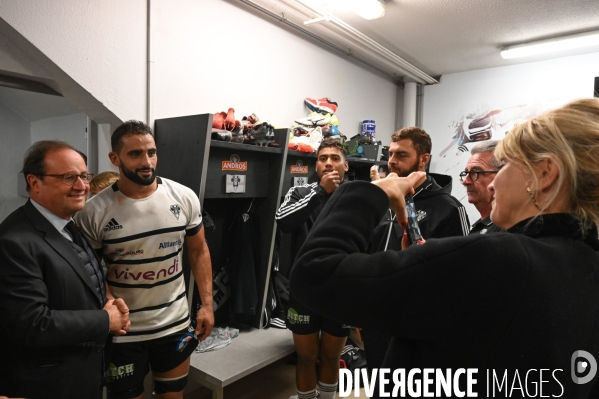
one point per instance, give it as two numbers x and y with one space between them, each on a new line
397 188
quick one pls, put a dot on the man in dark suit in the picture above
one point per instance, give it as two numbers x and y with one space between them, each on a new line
54 315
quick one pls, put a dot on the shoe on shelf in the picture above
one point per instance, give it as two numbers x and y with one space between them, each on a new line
334 120
229 122
323 105
301 130
271 136
301 144
258 135
249 121
221 135
218 120
237 133
252 118
315 137
315 119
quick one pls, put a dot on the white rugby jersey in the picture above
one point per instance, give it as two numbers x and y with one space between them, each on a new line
142 244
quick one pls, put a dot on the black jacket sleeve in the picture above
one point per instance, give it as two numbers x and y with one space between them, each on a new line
298 205
422 292
454 224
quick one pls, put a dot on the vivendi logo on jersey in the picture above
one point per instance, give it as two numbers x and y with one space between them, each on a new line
463 382
147 275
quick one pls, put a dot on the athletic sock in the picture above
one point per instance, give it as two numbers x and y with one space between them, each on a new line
307 395
327 391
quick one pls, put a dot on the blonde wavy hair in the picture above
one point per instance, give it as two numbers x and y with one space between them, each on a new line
570 137
103 180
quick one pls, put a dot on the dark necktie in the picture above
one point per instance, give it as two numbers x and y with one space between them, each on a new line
95 268
76 234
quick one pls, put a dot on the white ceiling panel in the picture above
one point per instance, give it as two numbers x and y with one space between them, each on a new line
447 36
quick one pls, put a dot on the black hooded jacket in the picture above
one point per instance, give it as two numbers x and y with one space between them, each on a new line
439 215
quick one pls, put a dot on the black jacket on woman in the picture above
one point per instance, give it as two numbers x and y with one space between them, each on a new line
506 302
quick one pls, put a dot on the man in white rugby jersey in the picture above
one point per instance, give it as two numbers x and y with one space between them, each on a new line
139 225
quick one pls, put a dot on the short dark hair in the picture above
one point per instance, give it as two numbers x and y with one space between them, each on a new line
420 138
83 156
36 155
331 142
126 129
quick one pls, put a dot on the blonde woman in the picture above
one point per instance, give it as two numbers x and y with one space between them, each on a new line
519 309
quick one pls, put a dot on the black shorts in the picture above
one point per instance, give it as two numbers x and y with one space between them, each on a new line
131 361
302 321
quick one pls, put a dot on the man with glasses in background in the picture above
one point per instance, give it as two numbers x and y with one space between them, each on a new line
55 315
480 172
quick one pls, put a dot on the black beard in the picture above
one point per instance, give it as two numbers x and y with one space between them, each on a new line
135 178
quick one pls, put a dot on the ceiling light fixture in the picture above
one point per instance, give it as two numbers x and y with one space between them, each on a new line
368 9
551 45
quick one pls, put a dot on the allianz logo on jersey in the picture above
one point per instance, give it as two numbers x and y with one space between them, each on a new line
149 274
168 244
112 225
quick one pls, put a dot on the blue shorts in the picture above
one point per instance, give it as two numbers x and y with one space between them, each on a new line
131 361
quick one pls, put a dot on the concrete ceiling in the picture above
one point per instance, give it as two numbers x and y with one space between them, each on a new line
447 36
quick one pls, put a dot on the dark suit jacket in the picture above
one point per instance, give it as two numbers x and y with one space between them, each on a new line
52 327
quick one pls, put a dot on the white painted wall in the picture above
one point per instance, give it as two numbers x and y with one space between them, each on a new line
210 55
547 83
71 129
101 44
207 55
104 147
16 139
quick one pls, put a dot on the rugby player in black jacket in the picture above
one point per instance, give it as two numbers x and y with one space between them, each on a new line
439 214
314 337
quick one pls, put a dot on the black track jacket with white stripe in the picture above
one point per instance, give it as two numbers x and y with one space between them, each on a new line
298 212
439 215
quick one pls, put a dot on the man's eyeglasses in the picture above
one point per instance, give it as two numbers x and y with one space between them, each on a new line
70 178
474 174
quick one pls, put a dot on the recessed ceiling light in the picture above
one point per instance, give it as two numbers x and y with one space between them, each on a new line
368 9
